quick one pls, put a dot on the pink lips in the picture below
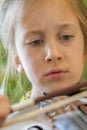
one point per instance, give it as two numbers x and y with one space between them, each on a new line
56 74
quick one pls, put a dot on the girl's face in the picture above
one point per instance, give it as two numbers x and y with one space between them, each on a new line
50 45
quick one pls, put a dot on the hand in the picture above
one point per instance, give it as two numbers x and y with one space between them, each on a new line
4 108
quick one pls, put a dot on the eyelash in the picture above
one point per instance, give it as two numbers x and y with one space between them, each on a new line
35 43
39 42
66 37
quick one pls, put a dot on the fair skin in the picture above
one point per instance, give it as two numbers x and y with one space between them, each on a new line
4 108
50 47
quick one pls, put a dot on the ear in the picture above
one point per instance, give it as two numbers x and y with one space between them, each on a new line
18 65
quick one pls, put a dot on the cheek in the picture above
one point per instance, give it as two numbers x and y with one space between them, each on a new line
35 58
33 70
32 64
76 52
75 57
36 66
76 64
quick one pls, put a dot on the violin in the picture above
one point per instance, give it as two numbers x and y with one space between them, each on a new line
62 110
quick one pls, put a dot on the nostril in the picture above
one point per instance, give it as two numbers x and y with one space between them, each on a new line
59 58
53 59
49 59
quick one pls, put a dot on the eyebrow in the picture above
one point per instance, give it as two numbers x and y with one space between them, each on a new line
59 27
66 26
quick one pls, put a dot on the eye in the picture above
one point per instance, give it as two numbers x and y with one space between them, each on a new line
35 42
66 37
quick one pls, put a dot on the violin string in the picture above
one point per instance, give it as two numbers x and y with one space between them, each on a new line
31 102
52 115
48 108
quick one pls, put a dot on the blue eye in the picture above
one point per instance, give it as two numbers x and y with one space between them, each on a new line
66 37
35 43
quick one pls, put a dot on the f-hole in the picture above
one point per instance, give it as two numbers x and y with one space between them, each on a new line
37 128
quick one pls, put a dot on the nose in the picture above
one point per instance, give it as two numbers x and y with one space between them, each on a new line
53 53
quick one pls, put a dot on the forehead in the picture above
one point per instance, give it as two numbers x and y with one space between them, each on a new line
38 12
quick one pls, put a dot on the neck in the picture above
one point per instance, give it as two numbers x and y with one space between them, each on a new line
36 92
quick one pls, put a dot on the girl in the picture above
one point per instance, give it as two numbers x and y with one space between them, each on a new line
46 40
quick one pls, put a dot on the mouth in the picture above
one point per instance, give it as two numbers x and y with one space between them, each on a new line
56 74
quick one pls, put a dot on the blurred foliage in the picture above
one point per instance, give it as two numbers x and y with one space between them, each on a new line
11 88
14 90
84 75
2 62
85 1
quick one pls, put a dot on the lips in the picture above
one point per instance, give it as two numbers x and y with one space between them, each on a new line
56 73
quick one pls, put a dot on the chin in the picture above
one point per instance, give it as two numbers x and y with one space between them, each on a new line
49 90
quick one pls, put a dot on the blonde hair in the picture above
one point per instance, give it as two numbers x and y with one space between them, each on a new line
80 9
11 12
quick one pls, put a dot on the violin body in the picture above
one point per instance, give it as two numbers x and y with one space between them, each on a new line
41 122
67 117
68 121
71 121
